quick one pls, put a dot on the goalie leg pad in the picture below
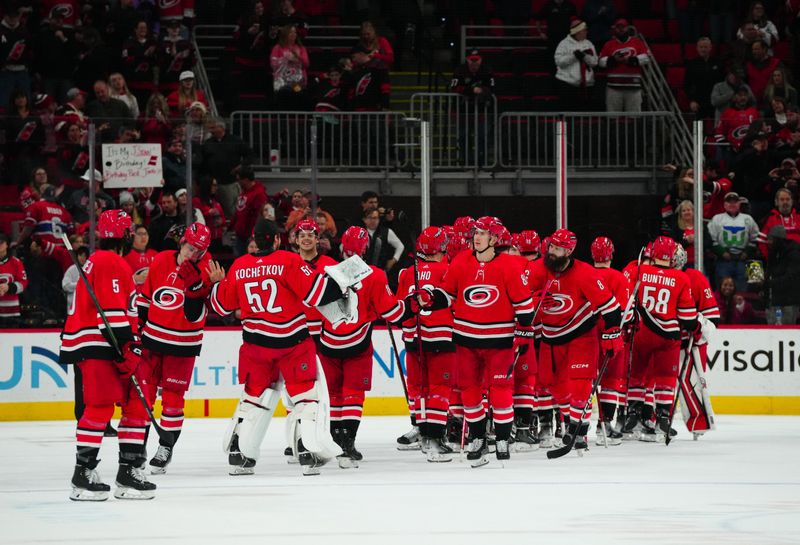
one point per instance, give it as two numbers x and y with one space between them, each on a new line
314 423
250 422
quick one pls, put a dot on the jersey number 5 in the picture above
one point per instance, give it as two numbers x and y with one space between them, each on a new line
655 299
258 292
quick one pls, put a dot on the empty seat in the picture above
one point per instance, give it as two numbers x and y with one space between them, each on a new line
651 29
667 54
675 75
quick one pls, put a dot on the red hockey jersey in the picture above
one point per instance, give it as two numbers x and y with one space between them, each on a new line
48 220
175 9
12 272
617 283
140 262
375 300
664 301
574 300
270 289
622 75
702 294
733 125
85 336
313 317
436 326
486 298
162 307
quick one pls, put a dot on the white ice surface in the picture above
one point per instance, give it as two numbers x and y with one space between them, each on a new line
738 485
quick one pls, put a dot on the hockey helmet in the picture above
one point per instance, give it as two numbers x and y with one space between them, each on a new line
114 224
432 240
355 241
664 249
463 226
198 235
680 258
307 224
455 246
648 251
528 242
488 223
602 249
504 239
564 238
28 197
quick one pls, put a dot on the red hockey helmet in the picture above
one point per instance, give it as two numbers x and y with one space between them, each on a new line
664 249
307 224
504 239
528 242
28 197
602 249
648 251
114 224
488 223
432 240
564 238
198 235
463 225
355 241
456 245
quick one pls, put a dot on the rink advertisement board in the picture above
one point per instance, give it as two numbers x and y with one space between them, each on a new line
752 371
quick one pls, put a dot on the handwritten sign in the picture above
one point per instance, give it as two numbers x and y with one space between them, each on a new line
132 165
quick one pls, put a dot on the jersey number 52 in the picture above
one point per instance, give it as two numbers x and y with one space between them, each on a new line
258 292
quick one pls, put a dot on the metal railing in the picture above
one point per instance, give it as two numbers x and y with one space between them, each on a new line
203 81
594 140
344 139
505 37
463 131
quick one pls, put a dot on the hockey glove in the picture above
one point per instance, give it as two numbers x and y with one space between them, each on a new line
523 338
194 287
419 300
132 356
611 341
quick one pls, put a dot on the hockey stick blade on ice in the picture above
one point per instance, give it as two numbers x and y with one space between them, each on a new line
563 451
163 434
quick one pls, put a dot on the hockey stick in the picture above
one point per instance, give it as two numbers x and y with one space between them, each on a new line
533 320
163 434
684 365
399 367
421 356
634 324
563 451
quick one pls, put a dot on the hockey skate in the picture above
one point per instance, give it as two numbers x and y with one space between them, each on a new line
309 462
87 486
477 452
632 428
546 438
436 450
350 456
289 453
132 484
649 433
159 462
613 437
525 441
501 450
409 440
238 462
455 426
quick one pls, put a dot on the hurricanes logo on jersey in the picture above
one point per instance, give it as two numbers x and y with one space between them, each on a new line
168 298
481 296
557 303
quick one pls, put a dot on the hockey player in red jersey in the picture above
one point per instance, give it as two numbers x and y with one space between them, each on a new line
271 288
694 403
346 350
430 375
614 384
172 312
13 281
307 238
87 343
492 308
573 297
45 220
526 368
665 306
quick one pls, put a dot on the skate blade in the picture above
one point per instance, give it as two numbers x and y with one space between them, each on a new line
439 458
525 447
647 438
346 463
236 470
81 494
126 493
581 452
292 460
155 470
611 442
412 446
310 471
488 462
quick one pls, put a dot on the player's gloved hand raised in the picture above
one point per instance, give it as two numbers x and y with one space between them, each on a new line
194 287
523 338
611 341
131 357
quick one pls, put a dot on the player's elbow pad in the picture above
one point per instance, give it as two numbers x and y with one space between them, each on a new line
440 300
613 318
193 309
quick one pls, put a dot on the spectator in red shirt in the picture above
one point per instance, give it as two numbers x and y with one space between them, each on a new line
374 46
760 68
248 208
783 214
622 56
187 94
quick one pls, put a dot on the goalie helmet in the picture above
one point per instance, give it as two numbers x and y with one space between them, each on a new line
197 235
528 242
307 225
680 258
563 238
114 224
432 240
664 249
602 249
355 241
